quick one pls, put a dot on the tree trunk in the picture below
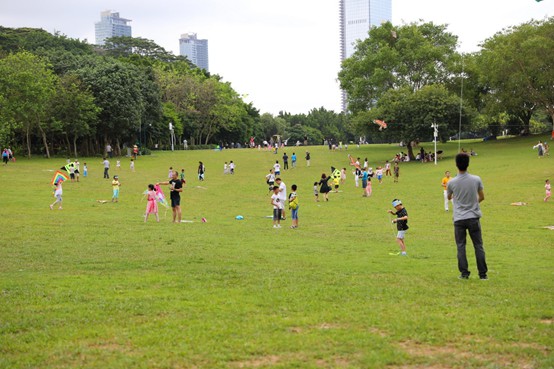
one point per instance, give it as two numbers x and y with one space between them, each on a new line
28 139
117 148
75 145
411 151
68 143
44 140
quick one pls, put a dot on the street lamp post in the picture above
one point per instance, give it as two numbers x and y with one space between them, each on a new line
435 127
172 136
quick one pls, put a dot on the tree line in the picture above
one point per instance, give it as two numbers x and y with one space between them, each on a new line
62 96
411 76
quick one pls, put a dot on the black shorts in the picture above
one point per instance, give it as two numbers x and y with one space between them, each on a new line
175 202
72 175
277 214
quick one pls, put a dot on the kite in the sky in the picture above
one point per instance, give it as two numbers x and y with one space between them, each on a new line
59 176
353 162
381 123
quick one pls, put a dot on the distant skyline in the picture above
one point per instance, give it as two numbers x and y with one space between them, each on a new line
195 49
282 56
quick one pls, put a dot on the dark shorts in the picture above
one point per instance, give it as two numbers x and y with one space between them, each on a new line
72 175
277 214
175 202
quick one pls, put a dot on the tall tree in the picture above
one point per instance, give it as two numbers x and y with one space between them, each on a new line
117 90
26 84
72 107
517 64
410 56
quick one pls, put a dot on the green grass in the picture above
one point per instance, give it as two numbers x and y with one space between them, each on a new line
93 286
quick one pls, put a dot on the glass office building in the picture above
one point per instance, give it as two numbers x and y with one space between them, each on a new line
196 50
357 17
111 25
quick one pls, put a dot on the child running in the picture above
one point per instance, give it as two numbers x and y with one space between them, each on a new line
152 203
115 186
58 193
547 188
401 224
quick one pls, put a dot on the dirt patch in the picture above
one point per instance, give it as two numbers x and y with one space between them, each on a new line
257 362
325 326
333 363
457 356
547 321
378 332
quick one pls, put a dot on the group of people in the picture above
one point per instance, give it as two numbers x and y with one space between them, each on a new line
464 192
278 202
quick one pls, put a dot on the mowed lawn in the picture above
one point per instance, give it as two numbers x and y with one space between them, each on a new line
93 286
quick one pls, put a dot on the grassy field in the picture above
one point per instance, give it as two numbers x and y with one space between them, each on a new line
93 286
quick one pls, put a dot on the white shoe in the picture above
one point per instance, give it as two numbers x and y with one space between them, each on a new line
274 226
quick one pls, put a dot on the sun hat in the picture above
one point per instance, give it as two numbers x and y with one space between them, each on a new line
396 202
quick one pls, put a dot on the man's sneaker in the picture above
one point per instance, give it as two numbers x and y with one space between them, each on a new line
484 278
463 277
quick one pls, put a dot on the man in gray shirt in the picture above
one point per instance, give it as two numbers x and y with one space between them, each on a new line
467 192
106 164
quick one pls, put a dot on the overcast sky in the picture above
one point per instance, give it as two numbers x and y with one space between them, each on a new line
281 55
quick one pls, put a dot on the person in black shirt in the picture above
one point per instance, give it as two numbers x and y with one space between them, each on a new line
175 195
324 183
285 161
401 224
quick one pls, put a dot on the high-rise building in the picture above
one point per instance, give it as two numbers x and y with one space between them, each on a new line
194 49
357 17
111 25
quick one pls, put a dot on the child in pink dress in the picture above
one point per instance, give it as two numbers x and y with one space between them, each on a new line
547 188
152 203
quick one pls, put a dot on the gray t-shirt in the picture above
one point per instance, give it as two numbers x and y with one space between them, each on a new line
464 188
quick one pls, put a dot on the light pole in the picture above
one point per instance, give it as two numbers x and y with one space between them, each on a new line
172 131
435 127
